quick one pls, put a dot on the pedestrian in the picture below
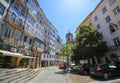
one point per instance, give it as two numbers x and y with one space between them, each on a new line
65 67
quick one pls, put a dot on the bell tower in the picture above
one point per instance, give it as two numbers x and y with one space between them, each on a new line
69 37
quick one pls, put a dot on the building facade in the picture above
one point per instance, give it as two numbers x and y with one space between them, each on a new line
24 34
52 45
105 19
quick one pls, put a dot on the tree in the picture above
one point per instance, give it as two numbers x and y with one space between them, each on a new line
65 51
88 44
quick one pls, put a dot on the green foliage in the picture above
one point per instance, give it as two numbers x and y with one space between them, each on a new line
65 50
88 43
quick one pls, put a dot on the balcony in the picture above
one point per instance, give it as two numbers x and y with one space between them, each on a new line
15 22
113 48
24 2
19 22
10 18
37 49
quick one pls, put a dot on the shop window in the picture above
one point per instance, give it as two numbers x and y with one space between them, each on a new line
2 9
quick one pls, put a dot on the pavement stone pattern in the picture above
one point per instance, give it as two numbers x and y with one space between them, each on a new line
80 78
116 82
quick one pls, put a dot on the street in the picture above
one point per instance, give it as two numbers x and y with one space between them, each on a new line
50 75
55 75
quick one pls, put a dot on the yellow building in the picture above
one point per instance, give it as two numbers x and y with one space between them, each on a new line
87 21
105 18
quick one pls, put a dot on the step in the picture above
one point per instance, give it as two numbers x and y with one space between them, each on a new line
5 77
25 77
6 71
14 80
30 77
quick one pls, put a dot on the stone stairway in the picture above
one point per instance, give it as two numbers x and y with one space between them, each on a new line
17 75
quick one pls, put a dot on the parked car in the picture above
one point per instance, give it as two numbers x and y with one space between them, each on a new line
61 66
72 66
84 69
105 70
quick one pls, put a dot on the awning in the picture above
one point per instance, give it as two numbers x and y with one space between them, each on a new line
7 53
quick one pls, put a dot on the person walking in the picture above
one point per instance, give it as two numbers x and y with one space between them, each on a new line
65 67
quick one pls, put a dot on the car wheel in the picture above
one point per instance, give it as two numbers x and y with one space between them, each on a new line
85 72
106 76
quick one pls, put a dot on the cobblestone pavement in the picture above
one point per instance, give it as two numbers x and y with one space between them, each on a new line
80 78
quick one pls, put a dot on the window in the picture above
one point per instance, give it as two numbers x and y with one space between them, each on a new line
112 28
111 2
116 10
25 38
17 35
98 26
119 23
8 32
44 56
13 17
20 22
22 12
27 27
30 42
2 9
16 6
108 19
7 1
95 18
116 42
90 24
36 26
104 10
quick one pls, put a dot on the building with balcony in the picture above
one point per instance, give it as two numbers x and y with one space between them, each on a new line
105 19
4 5
52 44
13 30
25 34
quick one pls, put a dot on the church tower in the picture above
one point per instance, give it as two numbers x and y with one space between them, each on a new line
69 38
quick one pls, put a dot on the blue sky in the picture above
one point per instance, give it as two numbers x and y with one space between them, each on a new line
66 15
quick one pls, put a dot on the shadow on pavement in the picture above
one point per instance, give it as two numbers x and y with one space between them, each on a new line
61 72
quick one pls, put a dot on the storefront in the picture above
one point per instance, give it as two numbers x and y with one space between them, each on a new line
13 60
